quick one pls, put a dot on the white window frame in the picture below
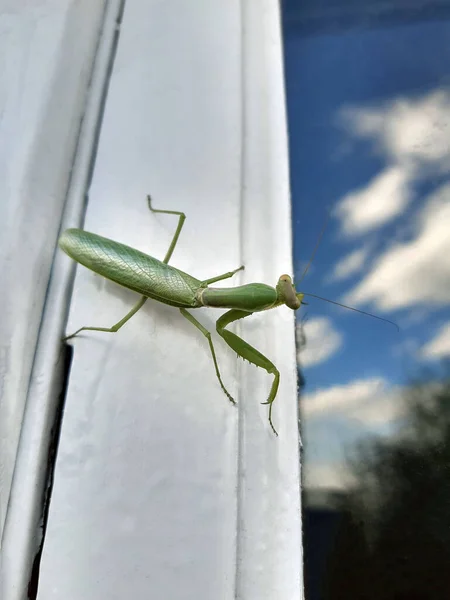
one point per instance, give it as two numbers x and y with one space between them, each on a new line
161 487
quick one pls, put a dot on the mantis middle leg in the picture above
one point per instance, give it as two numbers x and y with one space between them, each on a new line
207 335
222 277
244 350
114 328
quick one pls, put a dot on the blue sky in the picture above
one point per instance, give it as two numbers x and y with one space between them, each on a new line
369 128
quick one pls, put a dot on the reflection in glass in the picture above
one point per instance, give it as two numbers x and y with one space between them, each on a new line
368 96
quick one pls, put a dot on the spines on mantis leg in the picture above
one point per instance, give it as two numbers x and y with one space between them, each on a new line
131 268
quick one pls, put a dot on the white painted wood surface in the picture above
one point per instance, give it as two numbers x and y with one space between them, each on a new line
45 67
163 489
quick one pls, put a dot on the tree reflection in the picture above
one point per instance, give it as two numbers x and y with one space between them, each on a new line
393 539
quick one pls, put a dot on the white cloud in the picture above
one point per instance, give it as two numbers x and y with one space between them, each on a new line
416 132
341 398
378 412
318 340
439 346
326 476
349 265
368 402
414 137
384 198
415 272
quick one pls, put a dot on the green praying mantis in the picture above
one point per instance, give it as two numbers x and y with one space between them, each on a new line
158 280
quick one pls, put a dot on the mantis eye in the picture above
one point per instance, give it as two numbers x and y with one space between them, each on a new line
286 279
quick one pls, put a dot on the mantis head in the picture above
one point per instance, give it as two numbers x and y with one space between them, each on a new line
287 294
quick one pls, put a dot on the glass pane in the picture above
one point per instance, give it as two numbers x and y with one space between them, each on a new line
368 95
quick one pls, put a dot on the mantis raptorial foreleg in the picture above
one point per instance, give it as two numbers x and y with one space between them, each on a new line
143 299
244 350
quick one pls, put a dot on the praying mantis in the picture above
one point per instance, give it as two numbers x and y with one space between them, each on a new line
156 279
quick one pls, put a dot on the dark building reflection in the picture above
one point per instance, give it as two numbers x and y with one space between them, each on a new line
389 536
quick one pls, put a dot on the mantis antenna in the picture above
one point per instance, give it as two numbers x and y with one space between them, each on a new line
362 312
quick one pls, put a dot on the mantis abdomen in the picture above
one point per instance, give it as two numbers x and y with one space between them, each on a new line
131 268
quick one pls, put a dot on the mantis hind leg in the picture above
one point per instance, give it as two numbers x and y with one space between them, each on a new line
207 335
244 350
181 220
115 327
